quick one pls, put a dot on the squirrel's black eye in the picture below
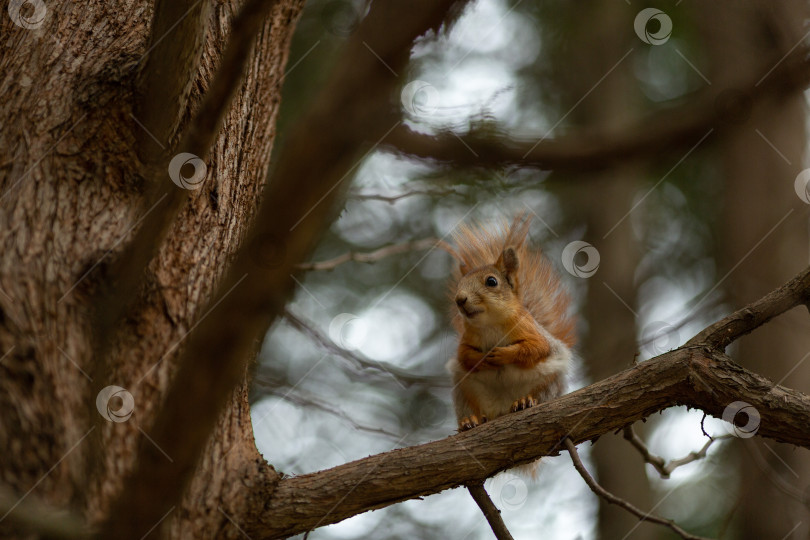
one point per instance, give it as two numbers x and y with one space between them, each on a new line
491 282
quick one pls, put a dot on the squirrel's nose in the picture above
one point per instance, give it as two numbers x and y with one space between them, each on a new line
461 300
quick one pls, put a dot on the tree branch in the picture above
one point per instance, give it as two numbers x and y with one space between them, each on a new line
490 511
328 408
720 334
391 199
612 499
371 257
692 376
696 375
674 127
660 464
404 376
172 62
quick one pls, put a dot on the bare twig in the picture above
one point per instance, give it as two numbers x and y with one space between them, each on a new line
660 464
490 511
309 401
391 199
404 376
609 497
371 257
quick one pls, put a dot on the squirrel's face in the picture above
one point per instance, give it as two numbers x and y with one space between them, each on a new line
485 295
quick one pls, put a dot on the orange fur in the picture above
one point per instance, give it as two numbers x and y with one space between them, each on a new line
515 333
538 287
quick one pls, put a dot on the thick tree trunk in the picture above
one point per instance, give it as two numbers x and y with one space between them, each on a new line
763 239
610 343
71 187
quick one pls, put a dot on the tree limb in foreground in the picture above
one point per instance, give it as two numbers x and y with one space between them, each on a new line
697 375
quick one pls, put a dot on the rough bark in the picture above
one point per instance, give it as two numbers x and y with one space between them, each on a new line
696 377
70 188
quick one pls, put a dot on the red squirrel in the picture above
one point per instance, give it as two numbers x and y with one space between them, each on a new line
515 333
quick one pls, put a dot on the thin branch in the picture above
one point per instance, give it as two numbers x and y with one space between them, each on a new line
490 511
370 257
609 497
722 333
391 199
331 409
27 513
660 464
404 376
671 128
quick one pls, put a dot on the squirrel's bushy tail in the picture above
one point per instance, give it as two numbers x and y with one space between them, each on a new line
539 287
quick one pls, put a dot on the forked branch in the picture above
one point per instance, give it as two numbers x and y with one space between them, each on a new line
661 465
613 499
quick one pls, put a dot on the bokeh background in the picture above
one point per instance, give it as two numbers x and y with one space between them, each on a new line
676 238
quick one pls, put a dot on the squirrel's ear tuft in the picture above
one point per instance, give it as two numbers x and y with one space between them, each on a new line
507 264
510 260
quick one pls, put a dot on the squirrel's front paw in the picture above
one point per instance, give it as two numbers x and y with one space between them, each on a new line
492 360
469 422
523 403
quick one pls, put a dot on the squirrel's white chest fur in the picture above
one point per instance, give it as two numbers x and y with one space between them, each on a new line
496 389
